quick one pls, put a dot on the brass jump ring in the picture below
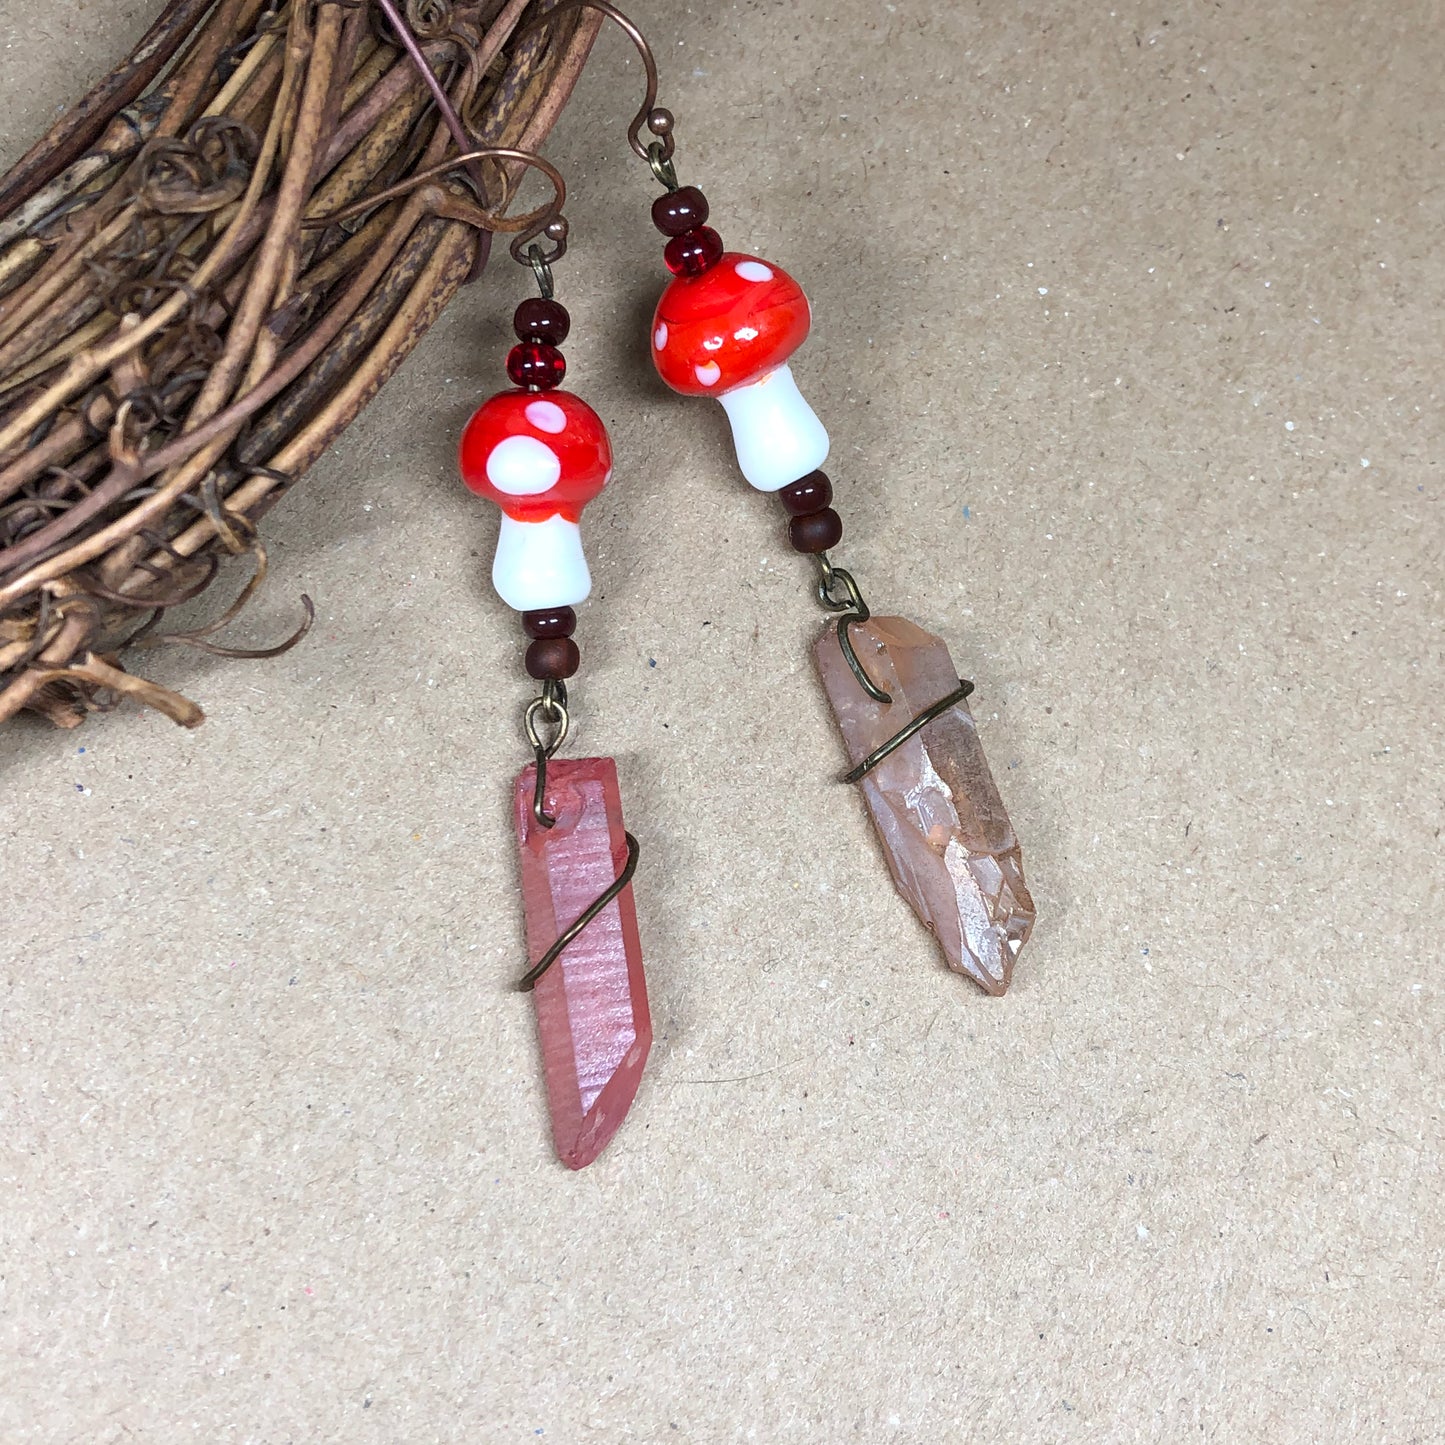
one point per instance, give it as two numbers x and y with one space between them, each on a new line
854 610
553 703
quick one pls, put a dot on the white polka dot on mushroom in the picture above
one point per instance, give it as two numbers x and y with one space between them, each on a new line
546 416
708 373
754 271
522 466
659 337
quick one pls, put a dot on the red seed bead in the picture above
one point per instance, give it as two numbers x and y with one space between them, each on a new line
552 659
807 495
816 532
539 318
680 211
536 364
553 622
694 252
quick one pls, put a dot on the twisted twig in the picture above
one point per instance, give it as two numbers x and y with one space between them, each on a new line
202 284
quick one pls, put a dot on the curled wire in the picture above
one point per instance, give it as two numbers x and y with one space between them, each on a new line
237 533
528 981
849 601
181 591
206 170
854 610
928 714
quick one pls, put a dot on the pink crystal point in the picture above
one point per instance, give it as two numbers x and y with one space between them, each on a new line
592 1017
947 838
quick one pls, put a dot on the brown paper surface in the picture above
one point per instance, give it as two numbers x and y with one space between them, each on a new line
1128 336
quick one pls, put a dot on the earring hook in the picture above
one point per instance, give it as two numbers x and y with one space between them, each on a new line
658 120
546 220
549 219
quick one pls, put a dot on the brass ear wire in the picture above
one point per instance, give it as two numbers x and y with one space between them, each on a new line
413 49
658 120
546 220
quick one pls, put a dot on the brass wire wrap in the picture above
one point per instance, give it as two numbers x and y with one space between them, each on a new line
854 610
528 981
928 714
552 705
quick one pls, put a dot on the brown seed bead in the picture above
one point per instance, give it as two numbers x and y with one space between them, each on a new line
807 495
540 319
551 622
680 211
816 532
552 658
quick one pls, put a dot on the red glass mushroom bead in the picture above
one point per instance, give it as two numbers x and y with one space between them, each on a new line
541 457
728 332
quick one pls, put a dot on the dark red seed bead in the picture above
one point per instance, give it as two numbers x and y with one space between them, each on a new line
680 211
693 253
816 532
551 622
807 495
535 363
552 658
541 319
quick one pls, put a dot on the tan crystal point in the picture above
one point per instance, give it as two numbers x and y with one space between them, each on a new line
947 838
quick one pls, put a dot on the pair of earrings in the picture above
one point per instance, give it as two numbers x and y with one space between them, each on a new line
726 326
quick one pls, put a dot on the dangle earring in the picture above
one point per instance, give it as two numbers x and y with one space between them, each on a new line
541 454
726 327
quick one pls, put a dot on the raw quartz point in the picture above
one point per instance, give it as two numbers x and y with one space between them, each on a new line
592 1018
947 838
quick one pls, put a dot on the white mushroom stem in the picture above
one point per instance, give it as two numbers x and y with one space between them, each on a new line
540 564
775 432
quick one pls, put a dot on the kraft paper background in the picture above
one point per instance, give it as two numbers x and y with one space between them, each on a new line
1128 335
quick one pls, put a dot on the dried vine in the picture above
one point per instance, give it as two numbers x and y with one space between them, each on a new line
207 268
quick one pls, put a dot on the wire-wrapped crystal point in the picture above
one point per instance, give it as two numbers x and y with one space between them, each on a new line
947 838
592 1016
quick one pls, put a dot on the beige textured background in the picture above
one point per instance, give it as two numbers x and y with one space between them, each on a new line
1129 339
